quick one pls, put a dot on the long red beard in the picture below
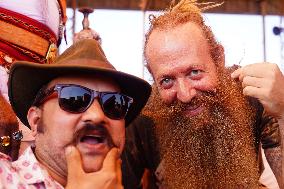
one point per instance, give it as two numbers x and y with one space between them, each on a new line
212 150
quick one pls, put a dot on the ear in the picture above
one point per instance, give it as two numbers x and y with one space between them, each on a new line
34 116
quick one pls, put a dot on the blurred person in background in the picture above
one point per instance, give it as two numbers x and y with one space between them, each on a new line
30 31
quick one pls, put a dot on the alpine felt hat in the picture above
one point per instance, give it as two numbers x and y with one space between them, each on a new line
84 57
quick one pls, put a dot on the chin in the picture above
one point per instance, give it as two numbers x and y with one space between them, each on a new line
92 164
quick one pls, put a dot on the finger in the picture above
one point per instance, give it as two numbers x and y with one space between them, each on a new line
255 92
259 69
118 171
236 74
109 163
74 162
253 81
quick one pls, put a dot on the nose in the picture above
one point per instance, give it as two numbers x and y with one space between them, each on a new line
94 113
185 91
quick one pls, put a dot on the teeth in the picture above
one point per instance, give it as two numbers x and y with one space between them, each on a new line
92 139
98 136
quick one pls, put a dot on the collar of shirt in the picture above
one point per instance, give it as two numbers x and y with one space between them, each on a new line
4 157
32 172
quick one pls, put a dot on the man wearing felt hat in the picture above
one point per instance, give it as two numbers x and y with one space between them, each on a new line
77 108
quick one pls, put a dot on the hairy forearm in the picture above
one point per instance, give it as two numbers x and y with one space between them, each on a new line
274 158
281 126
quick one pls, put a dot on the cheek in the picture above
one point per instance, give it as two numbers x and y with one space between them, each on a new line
57 116
207 83
58 120
168 96
58 132
117 132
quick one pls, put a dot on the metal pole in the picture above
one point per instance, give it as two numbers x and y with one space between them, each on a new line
143 43
281 46
74 6
143 5
263 5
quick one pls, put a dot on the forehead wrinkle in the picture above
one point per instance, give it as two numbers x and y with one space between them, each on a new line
189 31
175 68
173 52
182 70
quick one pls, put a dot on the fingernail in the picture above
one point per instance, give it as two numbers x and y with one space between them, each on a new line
68 150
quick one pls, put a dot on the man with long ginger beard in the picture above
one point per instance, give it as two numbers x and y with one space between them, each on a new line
198 130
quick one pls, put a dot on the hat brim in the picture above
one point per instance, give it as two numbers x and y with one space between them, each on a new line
27 78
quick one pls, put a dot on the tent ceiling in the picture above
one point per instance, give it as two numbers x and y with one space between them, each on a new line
271 7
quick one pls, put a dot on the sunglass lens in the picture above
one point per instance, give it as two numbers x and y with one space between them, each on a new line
74 99
114 105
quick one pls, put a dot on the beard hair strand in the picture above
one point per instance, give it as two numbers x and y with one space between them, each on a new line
212 150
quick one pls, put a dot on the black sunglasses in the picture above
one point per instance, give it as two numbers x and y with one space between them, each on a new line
6 140
77 99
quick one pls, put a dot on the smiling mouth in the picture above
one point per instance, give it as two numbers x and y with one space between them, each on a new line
191 111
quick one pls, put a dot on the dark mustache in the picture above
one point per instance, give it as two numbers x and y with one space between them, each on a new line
89 127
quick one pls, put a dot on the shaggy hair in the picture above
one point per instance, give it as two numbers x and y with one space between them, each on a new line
8 125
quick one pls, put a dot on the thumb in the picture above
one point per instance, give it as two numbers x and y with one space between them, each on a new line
236 74
118 170
110 161
74 162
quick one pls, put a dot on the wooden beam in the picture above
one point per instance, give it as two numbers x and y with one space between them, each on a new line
274 7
